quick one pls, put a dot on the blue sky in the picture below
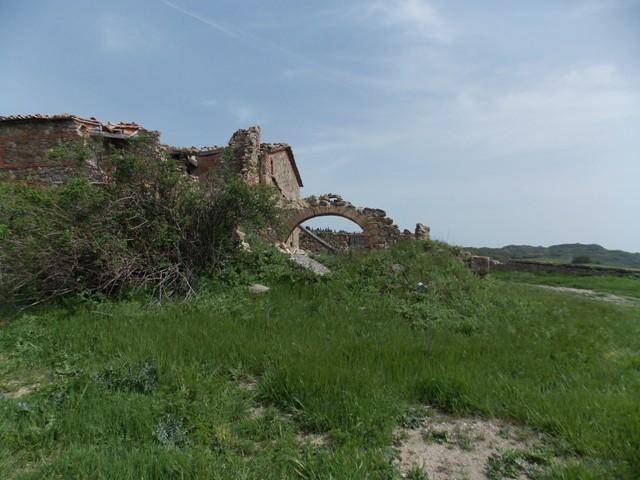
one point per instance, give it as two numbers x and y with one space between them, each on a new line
494 122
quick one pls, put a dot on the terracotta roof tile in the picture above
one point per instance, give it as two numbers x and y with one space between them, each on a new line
94 126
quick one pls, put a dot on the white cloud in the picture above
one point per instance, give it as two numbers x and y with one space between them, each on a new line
119 33
597 7
113 33
593 76
496 126
244 113
414 16
222 28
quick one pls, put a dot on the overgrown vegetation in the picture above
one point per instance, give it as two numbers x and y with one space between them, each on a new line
228 385
349 356
152 228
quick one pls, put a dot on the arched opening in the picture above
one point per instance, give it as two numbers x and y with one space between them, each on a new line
378 231
350 214
330 233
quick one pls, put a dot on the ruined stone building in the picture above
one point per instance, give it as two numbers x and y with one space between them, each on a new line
28 145
30 151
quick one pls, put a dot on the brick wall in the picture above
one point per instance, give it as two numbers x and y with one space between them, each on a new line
30 150
25 146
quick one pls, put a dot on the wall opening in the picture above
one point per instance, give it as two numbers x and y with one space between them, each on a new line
319 234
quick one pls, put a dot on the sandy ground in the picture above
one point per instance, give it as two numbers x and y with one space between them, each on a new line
605 297
449 448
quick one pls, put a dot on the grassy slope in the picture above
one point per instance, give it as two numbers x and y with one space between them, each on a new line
562 254
344 355
625 286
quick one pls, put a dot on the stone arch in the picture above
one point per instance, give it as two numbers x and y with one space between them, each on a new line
378 230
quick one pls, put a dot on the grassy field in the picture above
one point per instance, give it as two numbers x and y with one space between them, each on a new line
625 286
126 390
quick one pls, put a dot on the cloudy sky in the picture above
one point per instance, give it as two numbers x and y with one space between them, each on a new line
494 122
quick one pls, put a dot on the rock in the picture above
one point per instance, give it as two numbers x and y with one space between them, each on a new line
421 288
283 247
239 238
258 289
478 265
422 232
309 263
397 268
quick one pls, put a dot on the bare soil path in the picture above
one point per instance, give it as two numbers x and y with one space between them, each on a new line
592 294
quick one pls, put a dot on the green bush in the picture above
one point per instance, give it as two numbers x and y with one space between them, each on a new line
581 259
152 228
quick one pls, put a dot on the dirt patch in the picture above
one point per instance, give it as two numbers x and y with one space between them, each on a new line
314 439
592 294
248 384
15 390
447 448
257 412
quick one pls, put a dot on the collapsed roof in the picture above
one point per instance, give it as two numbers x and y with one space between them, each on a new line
91 126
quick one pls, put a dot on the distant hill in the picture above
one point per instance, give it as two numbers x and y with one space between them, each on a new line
562 254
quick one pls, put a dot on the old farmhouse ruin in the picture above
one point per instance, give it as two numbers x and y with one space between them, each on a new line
30 151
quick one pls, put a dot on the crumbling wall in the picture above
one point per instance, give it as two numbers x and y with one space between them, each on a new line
25 151
378 230
52 150
278 171
562 268
245 154
340 240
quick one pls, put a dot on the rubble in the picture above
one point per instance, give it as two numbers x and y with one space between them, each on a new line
258 289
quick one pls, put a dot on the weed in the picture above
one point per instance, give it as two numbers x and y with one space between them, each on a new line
170 432
464 441
417 473
139 378
413 417
437 436
512 463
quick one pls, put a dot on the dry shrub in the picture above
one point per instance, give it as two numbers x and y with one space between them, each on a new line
152 228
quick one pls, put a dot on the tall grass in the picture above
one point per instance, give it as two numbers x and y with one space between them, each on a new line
345 355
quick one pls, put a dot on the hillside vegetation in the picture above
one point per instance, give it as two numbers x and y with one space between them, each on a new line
564 253
229 385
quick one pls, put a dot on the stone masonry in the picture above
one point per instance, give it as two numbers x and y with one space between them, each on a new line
379 230
28 145
339 240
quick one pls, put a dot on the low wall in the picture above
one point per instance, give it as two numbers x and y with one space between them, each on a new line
566 269
340 240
